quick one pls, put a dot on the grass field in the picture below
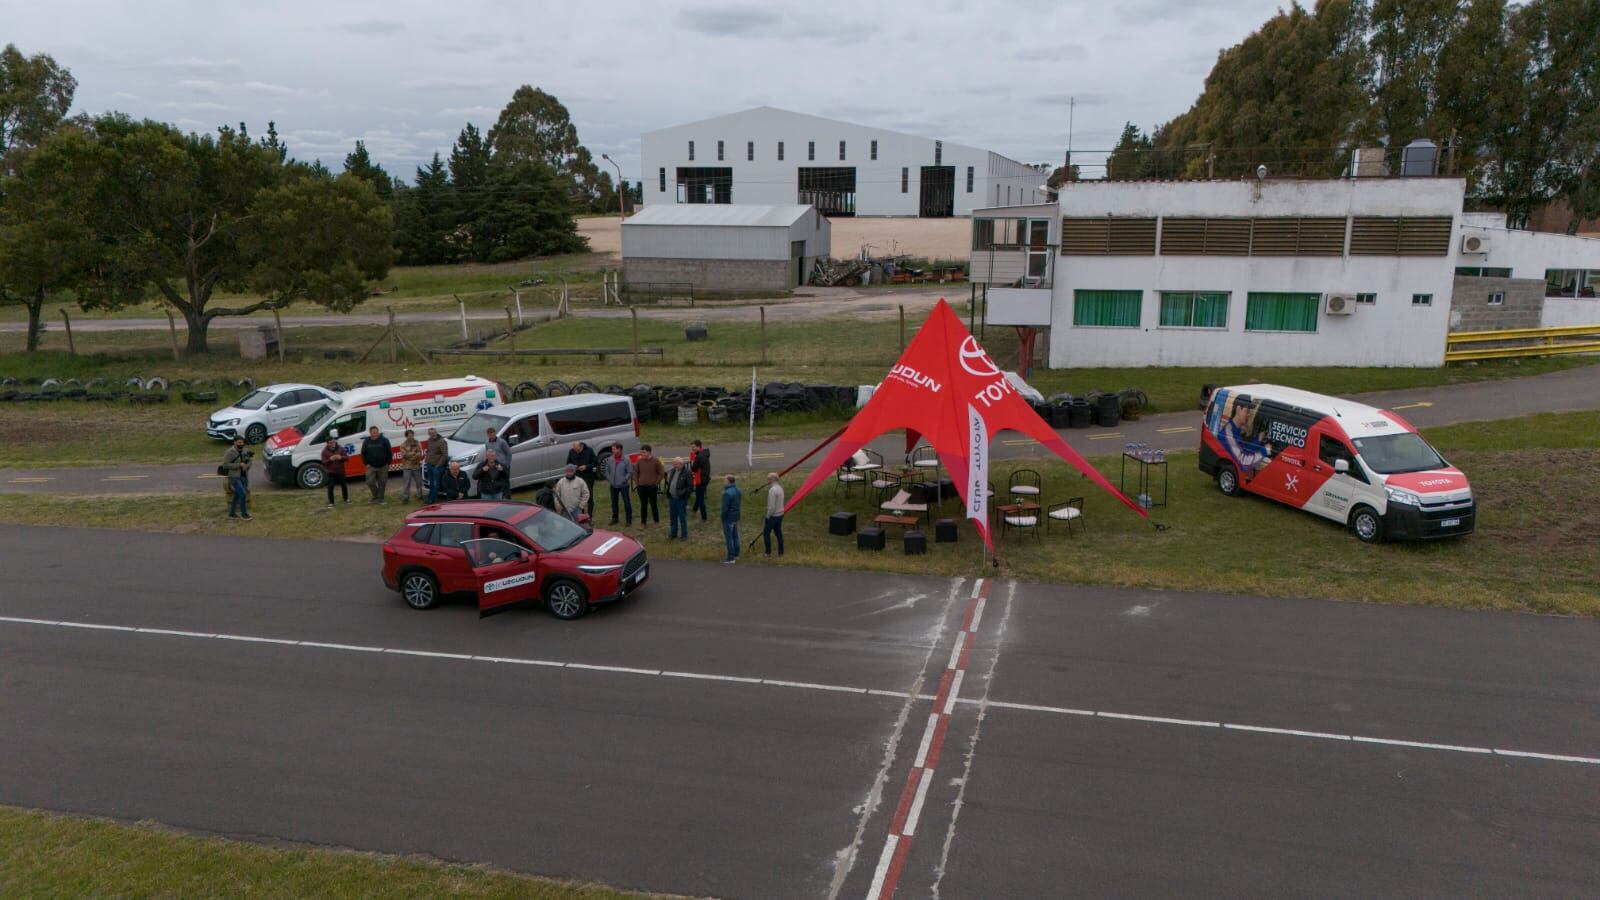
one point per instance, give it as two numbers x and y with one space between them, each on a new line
1532 551
48 855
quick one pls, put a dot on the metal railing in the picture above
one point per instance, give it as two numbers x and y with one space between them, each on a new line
1555 341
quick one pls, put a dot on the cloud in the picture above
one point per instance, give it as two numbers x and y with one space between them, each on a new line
730 21
193 64
448 84
374 27
195 105
467 112
1067 98
1052 53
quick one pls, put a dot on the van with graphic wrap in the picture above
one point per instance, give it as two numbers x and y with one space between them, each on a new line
1364 467
294 455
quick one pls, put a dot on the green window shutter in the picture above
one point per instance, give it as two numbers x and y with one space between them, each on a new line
1111 309
1210 311
1175 309
1281 312
1194 309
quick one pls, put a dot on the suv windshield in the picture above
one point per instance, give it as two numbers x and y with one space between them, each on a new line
471 431
253 400
317 417
1392 454
551 530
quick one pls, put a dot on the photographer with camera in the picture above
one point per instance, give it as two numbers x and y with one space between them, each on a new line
236 467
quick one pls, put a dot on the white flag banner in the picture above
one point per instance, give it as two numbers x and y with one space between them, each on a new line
977 469
750 451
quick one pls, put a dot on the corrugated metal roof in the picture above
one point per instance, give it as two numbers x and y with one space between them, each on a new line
720 214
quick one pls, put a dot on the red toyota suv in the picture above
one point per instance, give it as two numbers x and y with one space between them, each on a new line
505 552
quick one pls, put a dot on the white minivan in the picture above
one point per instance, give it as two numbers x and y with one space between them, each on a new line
540 432
294 455
265 411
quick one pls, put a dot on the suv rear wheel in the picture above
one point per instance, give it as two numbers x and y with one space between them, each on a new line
419 590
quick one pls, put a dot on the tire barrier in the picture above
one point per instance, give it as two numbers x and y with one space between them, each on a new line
360 384
156 383
586 387
526 390
1108 411
557 389
246 382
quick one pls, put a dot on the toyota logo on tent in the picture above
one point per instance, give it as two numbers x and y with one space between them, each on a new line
975 361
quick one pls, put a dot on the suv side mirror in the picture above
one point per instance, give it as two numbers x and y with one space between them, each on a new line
1342 466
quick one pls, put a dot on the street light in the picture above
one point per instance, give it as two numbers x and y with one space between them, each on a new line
621 186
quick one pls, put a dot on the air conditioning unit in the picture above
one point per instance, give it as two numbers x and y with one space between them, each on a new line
1339 304
1474 243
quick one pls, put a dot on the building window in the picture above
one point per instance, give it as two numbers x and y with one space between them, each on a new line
1421 299
691 151
1194 309
663 179
1483 271
1497 298
750 151
719 151
780 151
1571 282
969 179
841 151
874 149
1281 312
811 150
1366 299
938 153
1106 309
905 179
1008 195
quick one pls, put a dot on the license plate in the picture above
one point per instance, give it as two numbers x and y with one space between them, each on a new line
1449 523
645 569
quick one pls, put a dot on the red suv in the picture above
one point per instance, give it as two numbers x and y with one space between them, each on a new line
505 552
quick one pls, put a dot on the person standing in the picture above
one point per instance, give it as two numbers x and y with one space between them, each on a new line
619 475
648 473
376 454
236 466
773 525
452 483
732 501
545 496
498 444
435 462
582 456
680 486
334 458
700 468
572 494
494 479
410 466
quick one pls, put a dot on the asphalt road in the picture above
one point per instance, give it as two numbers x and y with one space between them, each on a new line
755 732
1564 391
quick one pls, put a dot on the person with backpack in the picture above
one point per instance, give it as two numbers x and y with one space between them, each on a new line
700 469
732 503
680 486
376 454
618 471
334 458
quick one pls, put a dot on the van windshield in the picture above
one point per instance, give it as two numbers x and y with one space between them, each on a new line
472 430
253 400
1393 454
317 417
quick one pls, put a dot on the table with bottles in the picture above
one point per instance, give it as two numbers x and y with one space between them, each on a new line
1146 460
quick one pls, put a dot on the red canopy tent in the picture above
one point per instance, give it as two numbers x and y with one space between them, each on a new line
947 390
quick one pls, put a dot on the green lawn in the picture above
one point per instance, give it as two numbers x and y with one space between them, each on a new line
48 855
1533 549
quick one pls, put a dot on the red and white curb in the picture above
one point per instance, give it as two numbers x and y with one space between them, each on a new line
903 827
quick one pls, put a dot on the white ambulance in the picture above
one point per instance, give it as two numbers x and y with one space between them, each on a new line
1363 467
294 455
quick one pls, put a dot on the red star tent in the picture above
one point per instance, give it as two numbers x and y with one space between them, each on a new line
946 390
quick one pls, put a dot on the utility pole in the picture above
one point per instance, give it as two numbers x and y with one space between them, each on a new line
622 209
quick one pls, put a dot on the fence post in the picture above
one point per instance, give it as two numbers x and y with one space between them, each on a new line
392 356
277 323
511 330
461 304
172 329
763 335
72 349
634 313
902 328
518 295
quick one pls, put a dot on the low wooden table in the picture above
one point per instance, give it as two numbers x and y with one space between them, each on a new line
1012 509
902 521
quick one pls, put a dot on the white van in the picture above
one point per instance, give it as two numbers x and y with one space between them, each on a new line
294 455
1363 467
266 411
540 432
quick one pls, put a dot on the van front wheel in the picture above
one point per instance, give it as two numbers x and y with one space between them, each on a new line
1367 525
310 476
1228 480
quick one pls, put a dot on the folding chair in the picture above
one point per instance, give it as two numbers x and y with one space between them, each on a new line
1066 513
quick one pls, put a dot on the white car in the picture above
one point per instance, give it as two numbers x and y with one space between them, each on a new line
266 411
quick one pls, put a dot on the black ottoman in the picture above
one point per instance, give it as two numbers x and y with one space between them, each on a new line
916 542
869 539
842 523
944 531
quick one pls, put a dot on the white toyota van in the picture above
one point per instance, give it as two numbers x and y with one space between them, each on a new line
540 432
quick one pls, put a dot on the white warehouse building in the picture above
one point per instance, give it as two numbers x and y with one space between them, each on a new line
775 157
1277 272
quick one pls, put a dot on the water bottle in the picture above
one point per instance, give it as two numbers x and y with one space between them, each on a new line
1144 500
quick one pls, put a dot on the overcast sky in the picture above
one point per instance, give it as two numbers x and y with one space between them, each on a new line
405 77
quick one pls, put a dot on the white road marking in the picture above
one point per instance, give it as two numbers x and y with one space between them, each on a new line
1105 437
883 865
1178 430
955 690
927 740
31 480
955 651
124 477
910 828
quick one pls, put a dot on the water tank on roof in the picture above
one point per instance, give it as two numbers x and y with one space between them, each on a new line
1420 158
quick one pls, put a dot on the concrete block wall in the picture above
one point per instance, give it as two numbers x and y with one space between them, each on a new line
727 276
1470 309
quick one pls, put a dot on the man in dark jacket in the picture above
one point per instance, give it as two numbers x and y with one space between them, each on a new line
700 469
494 479
679 488
333 460
618 471
376 455
582 456
452 483
732 501
435 462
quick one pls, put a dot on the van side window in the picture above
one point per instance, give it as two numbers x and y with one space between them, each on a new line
1330 450
590 418
523 430
349 423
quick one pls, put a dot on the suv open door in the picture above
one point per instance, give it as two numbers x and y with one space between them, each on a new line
505 574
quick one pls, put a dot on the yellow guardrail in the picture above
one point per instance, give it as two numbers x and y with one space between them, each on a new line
1546 342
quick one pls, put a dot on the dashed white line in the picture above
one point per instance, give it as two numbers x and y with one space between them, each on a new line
927 740
955 651
916 805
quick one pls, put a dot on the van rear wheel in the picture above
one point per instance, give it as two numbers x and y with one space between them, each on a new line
1366 524
1228 480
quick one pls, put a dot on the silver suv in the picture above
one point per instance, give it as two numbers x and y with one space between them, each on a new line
266 411
540 432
